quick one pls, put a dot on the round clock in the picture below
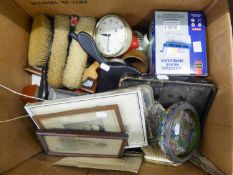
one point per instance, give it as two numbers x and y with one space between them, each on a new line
113 36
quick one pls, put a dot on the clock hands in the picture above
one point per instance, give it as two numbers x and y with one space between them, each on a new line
108 44
107 35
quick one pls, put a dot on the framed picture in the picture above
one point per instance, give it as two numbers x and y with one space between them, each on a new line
82 143
134 104
101 118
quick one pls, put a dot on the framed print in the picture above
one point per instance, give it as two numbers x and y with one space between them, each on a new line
134 104
82 143
101 118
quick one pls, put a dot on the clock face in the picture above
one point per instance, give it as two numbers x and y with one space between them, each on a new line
111 35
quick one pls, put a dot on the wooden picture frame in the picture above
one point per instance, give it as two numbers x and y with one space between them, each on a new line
133 103
82 143
100 118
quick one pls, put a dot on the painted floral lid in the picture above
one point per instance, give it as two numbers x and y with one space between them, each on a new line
179 132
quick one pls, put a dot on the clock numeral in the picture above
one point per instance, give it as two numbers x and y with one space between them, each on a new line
104 23
110 20
121 27
116 22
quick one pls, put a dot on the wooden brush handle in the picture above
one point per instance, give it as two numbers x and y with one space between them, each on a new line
90 72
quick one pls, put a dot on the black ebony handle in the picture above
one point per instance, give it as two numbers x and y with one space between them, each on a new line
88 45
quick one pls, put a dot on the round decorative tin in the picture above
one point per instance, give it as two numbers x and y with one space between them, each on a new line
179 132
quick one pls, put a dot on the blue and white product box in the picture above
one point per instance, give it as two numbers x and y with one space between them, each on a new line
178 44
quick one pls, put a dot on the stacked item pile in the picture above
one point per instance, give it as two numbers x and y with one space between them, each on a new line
160 107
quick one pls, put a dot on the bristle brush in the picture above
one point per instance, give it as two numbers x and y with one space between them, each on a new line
111 72
77 57
59 48
40 41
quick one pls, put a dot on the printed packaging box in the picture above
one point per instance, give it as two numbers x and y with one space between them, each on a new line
178 44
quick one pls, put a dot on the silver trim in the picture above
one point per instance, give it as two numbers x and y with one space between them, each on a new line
128 36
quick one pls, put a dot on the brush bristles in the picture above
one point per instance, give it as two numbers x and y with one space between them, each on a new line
76 63
77 57
40 41
86 24
58 50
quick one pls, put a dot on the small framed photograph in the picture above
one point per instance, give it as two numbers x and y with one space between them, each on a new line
101 118
133 104
82 143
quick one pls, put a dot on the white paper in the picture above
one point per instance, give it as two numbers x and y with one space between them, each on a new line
197 47
171 24
101 114
105 67
36 79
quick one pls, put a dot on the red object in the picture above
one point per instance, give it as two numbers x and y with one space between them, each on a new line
198 71
198 67
197 29
74 21
135 42
79 91
30 90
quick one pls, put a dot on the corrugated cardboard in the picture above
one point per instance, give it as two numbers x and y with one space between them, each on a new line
136 12
216 143
42 165
18 142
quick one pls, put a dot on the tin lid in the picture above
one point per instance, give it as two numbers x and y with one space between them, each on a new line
179 132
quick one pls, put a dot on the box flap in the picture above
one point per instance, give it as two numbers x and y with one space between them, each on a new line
18 142
134 11
216 143
42 165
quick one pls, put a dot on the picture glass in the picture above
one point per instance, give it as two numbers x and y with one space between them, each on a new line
91 121
98 146
130 103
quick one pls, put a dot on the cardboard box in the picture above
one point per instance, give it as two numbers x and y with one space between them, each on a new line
178 43
19 149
